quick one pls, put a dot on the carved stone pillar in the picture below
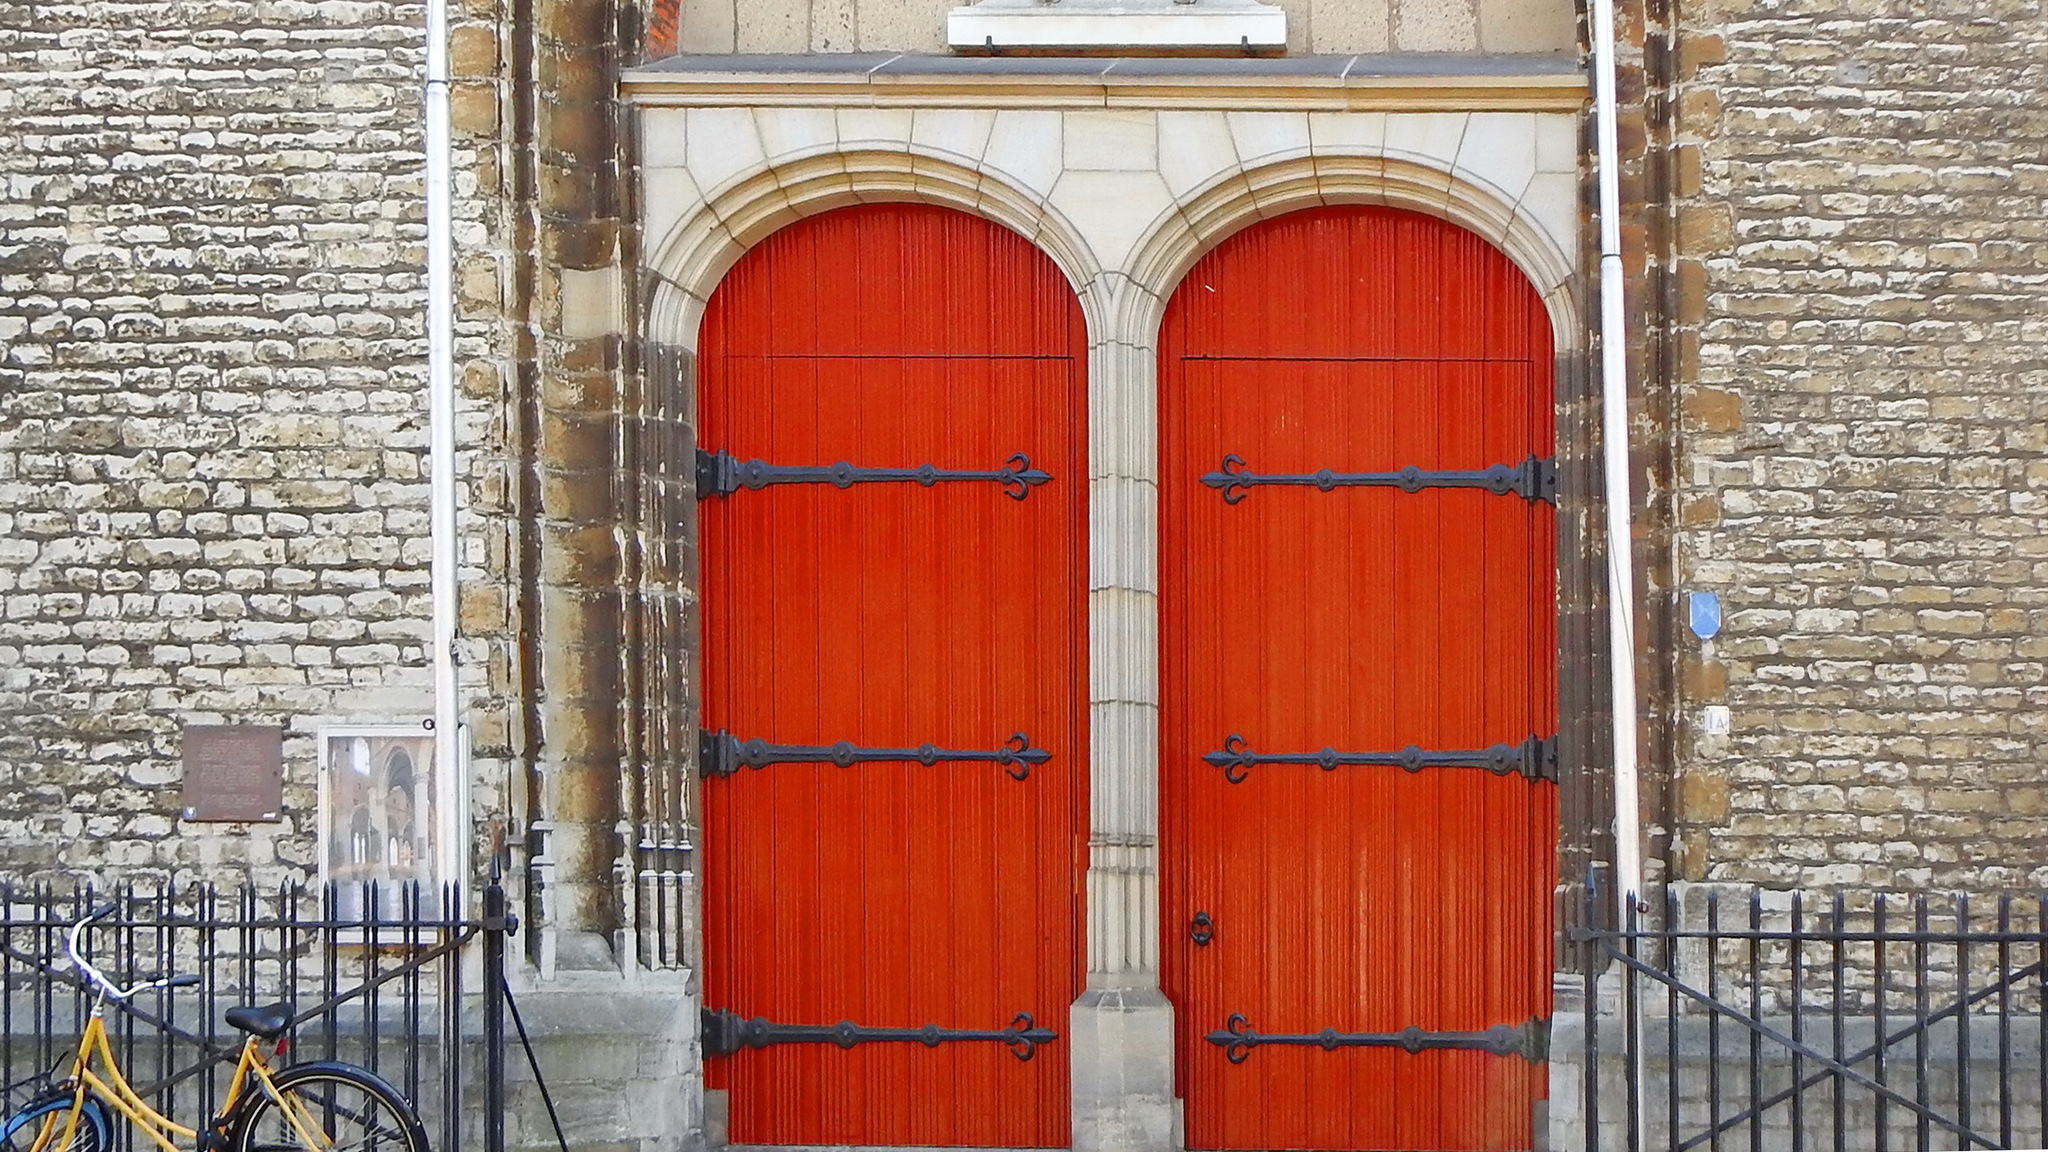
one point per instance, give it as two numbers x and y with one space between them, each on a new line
1122 1026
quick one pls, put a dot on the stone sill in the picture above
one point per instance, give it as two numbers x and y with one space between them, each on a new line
1004 25
1433 83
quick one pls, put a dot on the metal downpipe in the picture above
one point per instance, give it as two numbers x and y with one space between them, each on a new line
1621 588
1615 440
451 787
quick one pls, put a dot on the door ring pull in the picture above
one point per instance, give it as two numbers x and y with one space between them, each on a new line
1202 930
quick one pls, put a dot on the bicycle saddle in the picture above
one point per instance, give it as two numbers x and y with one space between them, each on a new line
268 1021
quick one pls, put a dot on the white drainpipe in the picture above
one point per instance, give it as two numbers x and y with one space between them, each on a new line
441 448
1621 586
1614 434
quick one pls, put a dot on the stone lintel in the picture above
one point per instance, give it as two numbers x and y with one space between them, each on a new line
1408 83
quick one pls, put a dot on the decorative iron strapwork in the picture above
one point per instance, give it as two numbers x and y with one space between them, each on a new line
727 1032
1532 479
1530 1039
721 754
1534 758
721 474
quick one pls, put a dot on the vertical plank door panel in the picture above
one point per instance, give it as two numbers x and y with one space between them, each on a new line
895 895
1364 899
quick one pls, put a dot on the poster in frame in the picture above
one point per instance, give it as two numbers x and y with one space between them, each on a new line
380 820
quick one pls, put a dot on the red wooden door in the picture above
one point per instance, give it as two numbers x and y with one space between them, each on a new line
1362 898
895 894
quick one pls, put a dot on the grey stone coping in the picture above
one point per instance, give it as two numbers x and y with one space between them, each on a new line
1107 67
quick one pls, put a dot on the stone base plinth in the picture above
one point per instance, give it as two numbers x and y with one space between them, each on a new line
1123 1071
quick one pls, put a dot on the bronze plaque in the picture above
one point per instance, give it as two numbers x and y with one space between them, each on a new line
234 772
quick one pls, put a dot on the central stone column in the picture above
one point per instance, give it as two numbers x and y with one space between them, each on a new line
1122 1026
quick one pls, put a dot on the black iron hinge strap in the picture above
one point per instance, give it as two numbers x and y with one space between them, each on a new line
727 1032
720 474
1534 758
1530 1039
1532 479
722 754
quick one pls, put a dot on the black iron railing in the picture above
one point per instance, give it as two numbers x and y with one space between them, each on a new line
376 978
1860 1022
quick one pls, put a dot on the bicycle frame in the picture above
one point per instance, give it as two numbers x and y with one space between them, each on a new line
96 1073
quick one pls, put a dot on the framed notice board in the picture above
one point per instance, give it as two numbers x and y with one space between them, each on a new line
382 816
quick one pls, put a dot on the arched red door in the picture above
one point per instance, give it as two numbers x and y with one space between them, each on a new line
907 646
1359 705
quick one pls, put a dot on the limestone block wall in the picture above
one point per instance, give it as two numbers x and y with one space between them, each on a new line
1318 26
213 503
1861 307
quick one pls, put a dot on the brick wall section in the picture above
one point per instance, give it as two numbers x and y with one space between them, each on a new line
1864 314
213 504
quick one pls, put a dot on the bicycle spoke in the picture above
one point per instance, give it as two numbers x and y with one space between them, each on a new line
45 1133
327 1113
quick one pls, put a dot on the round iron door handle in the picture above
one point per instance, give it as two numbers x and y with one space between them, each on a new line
1201 930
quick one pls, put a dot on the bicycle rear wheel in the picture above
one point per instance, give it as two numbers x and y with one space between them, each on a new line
343 1107
41 1126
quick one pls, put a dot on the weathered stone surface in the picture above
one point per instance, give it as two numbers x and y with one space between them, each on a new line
1864 204
212 420
1322 26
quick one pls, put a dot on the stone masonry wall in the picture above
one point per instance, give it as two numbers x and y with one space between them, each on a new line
1863 313
213 504
1313 26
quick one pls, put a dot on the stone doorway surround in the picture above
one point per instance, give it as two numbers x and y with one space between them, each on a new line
1124 172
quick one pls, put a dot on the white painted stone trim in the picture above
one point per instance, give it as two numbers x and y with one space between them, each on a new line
1126 24
1124 202
1351 91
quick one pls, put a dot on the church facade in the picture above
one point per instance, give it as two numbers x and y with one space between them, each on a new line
1060 544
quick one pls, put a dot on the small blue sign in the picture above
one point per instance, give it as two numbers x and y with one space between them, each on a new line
1706 614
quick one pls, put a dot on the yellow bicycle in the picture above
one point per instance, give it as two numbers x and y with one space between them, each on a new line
323 1106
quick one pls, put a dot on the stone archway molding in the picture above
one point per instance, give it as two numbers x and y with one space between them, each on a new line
1123 308
1121 1029
1238 199
1123 892
687 264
